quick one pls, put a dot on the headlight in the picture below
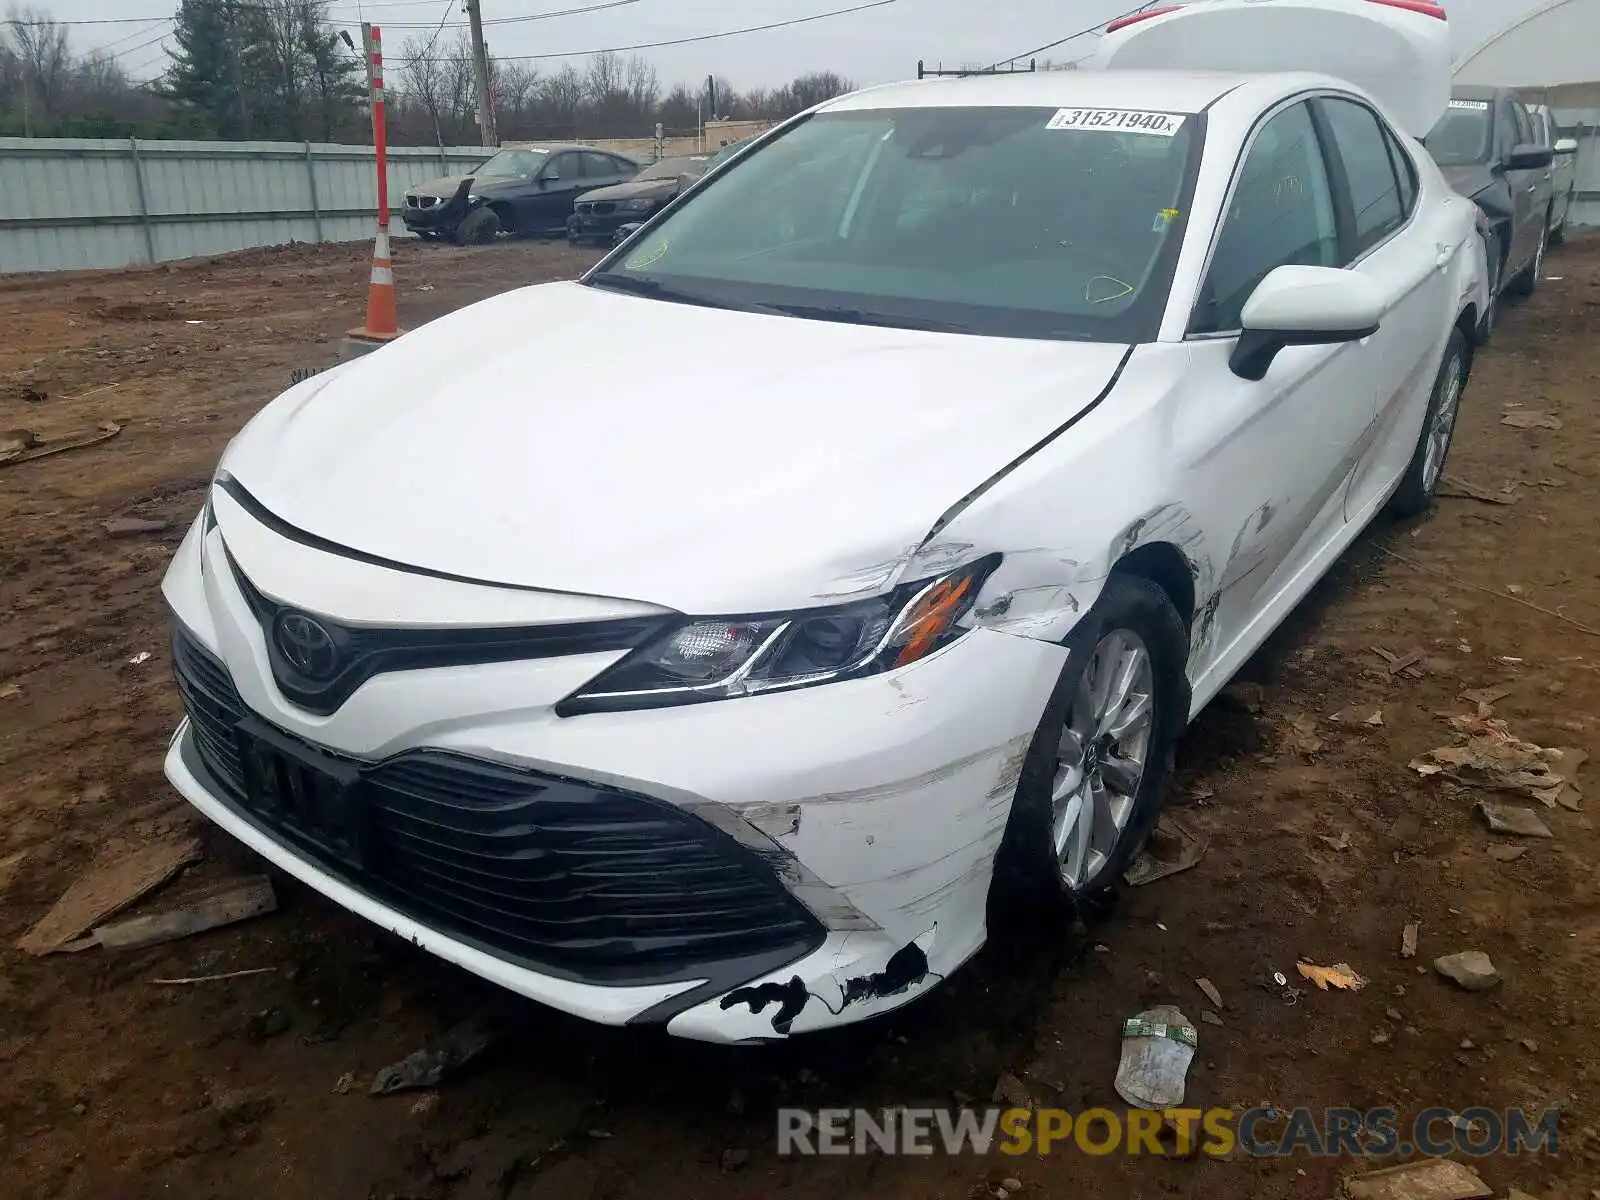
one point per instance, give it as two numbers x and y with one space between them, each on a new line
719 658
636 205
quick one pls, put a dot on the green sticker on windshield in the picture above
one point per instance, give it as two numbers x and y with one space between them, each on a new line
646 258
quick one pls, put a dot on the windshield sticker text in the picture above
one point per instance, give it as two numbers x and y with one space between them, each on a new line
1117 120
646 258
1471 105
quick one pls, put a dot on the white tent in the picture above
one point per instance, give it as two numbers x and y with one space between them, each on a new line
1554 50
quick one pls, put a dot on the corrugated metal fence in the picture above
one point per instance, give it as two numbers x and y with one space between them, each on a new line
72 203
75 203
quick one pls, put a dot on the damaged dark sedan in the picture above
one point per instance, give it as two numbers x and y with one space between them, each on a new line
1489 150
522 189
601 214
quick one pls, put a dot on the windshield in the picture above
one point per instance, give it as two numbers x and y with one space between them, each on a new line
1461 138
511 163
672 168
1019 222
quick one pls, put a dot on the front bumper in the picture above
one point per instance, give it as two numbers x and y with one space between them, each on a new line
589 223
442 218
875 806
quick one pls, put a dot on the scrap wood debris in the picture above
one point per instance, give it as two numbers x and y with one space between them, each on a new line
1431 1179
214 906
23 445
1530 420
1462 489
119 876
1171 849
1406 664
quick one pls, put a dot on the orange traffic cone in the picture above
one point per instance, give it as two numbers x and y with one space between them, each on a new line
382 322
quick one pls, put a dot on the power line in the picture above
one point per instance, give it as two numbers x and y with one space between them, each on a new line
703 37
160 37
449 4
1072 36
127 37
542 16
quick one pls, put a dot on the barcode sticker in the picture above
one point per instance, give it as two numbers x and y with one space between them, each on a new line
1471 105
1117 120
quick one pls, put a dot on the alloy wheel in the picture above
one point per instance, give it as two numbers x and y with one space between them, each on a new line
1101 757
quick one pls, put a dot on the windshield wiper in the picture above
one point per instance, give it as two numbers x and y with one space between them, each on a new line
655 289
858 316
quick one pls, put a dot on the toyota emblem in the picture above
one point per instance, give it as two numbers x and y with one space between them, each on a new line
307 646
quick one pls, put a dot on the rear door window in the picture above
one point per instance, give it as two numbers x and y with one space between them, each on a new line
1404 169
1377 209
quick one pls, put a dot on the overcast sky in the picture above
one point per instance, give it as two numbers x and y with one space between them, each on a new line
868 47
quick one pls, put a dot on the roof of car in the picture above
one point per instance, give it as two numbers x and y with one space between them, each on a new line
558 147
1168 91
1473 91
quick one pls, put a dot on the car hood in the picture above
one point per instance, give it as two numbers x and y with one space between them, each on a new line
445 187
1468 180
568 438
655 189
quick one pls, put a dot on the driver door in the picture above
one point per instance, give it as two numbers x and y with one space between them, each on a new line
1267 460
552 199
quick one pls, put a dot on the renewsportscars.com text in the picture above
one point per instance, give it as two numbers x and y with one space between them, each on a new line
1260 1132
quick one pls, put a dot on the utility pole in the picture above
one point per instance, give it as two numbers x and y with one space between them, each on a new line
480 76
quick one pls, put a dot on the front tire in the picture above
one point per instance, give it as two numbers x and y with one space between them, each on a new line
477 227
1420 484
1097 769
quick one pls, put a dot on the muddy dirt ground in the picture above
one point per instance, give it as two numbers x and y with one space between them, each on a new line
1322 843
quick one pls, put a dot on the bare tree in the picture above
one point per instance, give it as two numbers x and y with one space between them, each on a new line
39 46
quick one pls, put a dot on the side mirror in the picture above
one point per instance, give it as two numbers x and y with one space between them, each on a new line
1528 157
546 180
1566 146
1303 306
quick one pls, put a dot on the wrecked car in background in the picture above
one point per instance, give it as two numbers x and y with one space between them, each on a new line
1487 147
600 214
522 189
750 698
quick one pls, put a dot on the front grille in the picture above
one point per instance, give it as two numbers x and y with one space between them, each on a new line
357 654
214 710
422 201
575 880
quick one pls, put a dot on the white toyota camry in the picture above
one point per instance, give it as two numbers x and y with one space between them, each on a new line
723 639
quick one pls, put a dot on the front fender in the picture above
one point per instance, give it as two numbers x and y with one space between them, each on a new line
1064 517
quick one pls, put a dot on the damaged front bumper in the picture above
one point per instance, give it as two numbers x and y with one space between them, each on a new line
873 808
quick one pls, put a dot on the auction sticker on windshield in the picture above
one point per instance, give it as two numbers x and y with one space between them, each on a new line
1117 120
1471 105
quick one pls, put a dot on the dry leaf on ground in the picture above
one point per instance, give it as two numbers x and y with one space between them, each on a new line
1339 975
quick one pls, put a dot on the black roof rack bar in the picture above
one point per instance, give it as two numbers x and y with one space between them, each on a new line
924 72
